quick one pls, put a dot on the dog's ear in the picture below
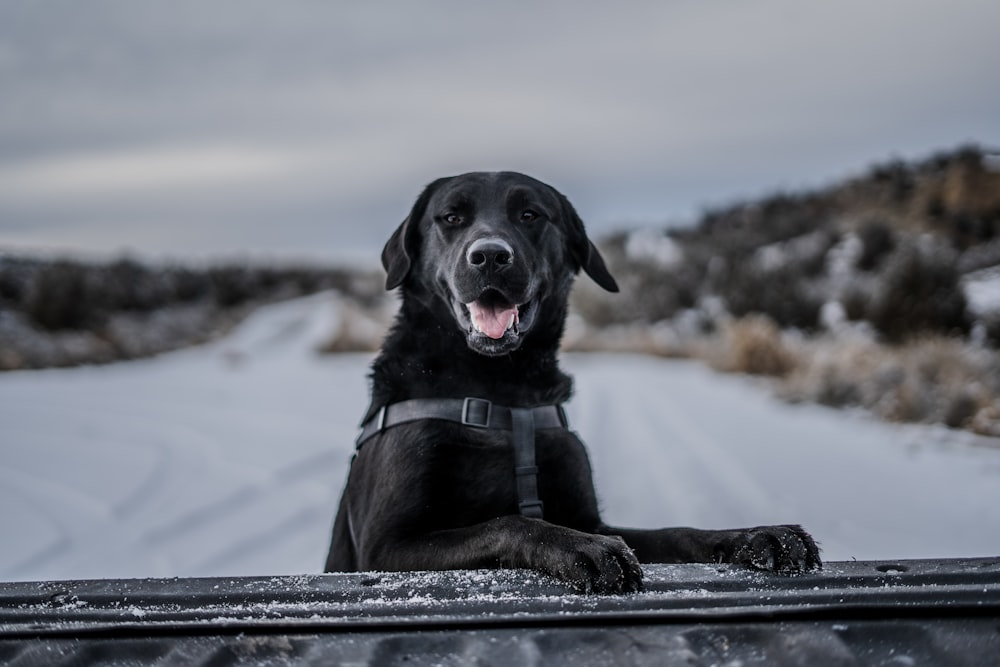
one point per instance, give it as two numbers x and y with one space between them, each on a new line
584 251
594 267
398 253
401 249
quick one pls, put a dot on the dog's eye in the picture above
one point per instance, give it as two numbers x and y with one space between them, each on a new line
452 218
529 216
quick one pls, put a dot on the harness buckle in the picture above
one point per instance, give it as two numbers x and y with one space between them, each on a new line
476 412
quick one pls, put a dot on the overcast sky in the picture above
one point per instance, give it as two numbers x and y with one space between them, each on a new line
193 128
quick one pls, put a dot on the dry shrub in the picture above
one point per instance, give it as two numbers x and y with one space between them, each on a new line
660 340
986 421
918 291
969 185
753 344
956 382
785 294
359 329
58 299
648 292
929 380
832 373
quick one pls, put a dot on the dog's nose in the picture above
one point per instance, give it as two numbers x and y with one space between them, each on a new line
489 253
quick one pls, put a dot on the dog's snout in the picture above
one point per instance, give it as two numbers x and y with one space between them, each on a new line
489 253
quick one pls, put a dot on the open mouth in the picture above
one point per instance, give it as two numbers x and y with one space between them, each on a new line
493 315
494 323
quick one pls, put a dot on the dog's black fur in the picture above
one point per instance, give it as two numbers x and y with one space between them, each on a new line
433 495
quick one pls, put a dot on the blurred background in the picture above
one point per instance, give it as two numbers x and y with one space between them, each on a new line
306 129
807 194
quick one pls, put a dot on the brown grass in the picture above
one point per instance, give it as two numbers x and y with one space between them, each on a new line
932 380
754 345
359 329
929 380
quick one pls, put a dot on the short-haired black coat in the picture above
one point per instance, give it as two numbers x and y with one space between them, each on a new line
485 262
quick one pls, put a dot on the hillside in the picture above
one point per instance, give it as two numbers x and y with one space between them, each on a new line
895 247
66 312
882 291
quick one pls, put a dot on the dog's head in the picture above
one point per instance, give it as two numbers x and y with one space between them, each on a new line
494 249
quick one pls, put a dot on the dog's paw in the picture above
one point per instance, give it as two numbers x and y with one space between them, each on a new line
783 549
595 564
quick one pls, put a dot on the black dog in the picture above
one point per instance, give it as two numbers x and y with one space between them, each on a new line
465 447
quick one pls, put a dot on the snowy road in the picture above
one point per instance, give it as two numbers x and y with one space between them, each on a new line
228 459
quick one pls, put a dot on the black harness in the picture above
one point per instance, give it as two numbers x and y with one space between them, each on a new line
480 413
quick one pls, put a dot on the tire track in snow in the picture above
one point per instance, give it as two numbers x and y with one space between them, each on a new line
129 428
318 467
637 484
226 451
301 522
730 481
654 461
66 510
236 469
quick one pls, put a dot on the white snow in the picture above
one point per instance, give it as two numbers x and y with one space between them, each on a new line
228 459
774 256
982 291
650 245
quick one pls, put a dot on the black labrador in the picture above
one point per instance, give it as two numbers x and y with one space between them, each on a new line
465 459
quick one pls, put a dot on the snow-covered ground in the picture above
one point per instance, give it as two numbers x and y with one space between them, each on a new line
228 459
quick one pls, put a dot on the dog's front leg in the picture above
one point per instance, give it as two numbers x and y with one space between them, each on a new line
785 549
589 563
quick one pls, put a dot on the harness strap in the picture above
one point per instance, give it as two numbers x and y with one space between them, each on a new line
480 413
474 412
525 470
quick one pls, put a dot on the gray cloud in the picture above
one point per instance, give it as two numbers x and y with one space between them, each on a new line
191 127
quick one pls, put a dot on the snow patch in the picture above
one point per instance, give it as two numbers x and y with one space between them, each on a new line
188 464
650 245
982 291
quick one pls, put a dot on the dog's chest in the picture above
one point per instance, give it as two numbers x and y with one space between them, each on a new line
472 474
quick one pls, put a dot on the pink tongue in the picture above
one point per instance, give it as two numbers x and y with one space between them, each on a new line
492 320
